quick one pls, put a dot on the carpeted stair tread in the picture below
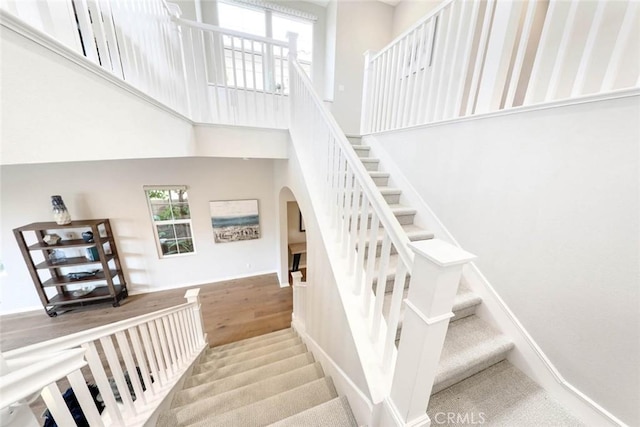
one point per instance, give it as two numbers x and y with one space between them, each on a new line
471 345
218 354
224 402
252 352
264 337
334 413
274 408
234 365
504 396
203 381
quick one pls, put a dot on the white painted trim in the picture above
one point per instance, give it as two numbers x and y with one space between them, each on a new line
423 421
428 320
360 404
284 284
10 22
617 94
527 356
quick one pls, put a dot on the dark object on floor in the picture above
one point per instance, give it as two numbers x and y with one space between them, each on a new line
74 407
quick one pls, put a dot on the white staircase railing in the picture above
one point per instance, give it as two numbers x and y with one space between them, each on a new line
206 73
235 78
150 354
472 57
374 255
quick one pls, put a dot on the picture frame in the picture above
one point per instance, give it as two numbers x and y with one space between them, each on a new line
235 220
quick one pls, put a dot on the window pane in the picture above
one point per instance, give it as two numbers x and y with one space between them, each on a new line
184 245
158 195
282 25
242 19
166 232
183 230
181 211
179 196
169 247
161 211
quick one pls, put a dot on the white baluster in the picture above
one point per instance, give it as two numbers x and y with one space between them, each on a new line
166 335
154 354
563 51
118 375
381 285
518 62
159 340
57 406
394 316
480 56
371 260
356 197
142 361
125 350
367 93
82 393
175 340
363 220
627 31
99 375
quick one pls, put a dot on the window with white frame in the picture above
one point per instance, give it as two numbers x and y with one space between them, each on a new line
261 19
171 216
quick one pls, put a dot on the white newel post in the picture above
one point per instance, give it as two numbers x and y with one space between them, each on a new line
367 83
437 269
299 300
192 298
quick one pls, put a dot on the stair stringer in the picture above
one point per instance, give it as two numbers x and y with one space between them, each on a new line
527 354
356 375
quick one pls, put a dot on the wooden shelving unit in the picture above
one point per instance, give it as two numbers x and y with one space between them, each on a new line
106 271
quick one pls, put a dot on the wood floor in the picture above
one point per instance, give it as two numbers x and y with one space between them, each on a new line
232 310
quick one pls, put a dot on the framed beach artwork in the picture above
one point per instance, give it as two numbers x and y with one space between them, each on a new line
235 220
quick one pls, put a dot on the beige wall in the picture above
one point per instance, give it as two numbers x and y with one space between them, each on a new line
407 12
361 26
113 189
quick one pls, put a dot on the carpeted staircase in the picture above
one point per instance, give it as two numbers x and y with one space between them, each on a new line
261 381
473 376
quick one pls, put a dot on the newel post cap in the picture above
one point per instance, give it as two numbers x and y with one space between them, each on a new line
441 253
192 294
297 277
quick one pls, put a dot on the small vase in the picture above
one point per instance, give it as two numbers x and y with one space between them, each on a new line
60 213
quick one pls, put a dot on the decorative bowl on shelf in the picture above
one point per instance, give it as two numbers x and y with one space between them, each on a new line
83 291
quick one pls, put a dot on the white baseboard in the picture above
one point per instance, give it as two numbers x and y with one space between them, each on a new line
361 406
527 355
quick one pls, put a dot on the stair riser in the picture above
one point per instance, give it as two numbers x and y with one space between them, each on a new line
262 338
272 355
280 341
370 165
362 152
457 315
380 181
471 370
354 140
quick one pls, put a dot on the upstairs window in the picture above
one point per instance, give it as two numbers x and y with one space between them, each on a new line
263 20
171 216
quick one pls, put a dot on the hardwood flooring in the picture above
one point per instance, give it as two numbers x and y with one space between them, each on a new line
232 310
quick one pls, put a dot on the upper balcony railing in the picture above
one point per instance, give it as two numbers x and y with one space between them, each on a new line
473 57
206 73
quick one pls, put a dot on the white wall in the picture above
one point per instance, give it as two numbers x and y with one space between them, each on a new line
326 321
54 110
408 12
549 201
113 189
361 26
